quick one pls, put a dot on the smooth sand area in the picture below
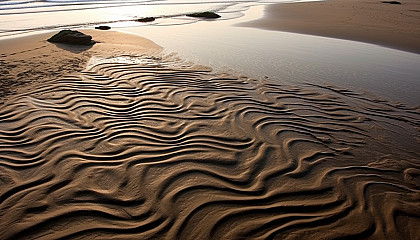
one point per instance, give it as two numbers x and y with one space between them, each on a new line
144 146
391 25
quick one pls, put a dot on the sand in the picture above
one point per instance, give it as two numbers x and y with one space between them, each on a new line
124 143
32 60
371 21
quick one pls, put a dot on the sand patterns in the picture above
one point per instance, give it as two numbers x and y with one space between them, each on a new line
164 151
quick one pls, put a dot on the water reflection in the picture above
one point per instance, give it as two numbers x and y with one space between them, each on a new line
293 58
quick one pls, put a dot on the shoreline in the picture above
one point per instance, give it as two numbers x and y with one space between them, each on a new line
74 60
371 21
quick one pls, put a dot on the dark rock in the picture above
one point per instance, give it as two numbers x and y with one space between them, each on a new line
204 15
146 19
72 37
391 2
103 27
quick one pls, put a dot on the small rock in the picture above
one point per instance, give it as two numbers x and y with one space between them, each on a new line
391 2
71 37
103 27
146 19
204 15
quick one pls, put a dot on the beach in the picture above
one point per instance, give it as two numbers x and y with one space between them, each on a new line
121 140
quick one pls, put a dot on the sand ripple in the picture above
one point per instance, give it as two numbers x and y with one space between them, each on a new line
155 151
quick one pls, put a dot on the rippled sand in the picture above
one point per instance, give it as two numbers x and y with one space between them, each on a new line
160 149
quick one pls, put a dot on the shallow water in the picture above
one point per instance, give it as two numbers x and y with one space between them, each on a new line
293 58
19 17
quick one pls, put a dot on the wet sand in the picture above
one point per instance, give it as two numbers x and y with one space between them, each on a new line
390 25
143 146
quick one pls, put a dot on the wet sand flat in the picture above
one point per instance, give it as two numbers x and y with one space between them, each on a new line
139 145
372 21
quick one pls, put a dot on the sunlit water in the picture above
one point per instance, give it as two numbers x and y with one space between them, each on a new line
279 56
18 16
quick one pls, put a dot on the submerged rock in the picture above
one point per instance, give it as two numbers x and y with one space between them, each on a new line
391 2
72 37
204 15
146 19
103 27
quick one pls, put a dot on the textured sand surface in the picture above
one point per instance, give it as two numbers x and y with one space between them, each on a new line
31 60
390 25
146 147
